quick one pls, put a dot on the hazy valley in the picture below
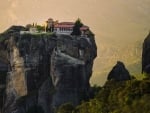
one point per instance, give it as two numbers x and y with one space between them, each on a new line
111 51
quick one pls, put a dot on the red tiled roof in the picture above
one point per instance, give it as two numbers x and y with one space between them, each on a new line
84 28
67 23
50 19
64 26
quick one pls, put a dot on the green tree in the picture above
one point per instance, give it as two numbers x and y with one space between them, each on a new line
76 28
94 90
40 28
66 108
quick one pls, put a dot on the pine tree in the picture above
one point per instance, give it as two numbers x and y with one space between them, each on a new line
76 28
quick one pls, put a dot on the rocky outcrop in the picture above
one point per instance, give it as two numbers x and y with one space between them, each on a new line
29 57
146 55
46 70
119 73
71 69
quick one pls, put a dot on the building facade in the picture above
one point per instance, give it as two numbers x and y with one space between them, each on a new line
50 25
63 27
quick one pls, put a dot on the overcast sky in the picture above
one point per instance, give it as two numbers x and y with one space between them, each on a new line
103 16
113 20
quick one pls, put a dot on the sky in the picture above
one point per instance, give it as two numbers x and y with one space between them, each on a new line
112 21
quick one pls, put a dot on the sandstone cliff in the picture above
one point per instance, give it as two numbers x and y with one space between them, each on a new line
45 70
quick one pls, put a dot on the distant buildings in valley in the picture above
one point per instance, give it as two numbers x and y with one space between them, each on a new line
54 26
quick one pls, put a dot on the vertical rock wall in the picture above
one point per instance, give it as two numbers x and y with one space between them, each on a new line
146 55
46 71
71 69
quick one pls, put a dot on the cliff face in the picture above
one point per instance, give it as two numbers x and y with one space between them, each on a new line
71 68
46 71
29 62
146 55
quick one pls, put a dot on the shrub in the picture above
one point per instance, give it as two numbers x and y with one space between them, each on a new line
76 28
66 108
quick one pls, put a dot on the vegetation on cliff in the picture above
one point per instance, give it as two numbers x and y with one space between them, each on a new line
116 97
76 28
